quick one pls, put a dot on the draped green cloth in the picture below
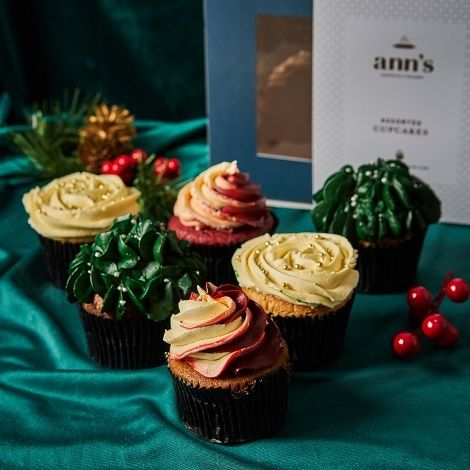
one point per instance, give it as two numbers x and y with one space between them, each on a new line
58 409
147 55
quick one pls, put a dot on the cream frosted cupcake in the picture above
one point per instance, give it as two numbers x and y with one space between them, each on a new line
306 283
229 366
72 210
217 212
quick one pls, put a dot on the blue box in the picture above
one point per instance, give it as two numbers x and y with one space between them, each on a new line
255 103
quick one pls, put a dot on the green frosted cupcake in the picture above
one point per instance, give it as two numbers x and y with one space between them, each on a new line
384 211
127 283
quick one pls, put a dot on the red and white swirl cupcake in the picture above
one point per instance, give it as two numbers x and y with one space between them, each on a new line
229 364
217 212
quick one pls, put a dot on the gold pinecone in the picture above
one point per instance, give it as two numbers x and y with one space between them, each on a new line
107 133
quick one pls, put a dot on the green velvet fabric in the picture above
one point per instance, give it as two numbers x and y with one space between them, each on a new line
58 409
146 54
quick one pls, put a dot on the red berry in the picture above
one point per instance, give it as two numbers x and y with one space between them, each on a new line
405 344
434 326
457 290
124 161
127 176
105 167
420 301
116 169
450 338
173 164
138 155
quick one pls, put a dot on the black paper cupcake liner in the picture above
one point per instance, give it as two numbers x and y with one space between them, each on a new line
133 343
225 417
57 258
218 260
315 342
389 268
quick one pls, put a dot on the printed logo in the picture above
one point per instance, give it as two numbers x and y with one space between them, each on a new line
404 66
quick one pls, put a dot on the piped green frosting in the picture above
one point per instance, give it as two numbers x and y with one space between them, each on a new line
378 201
136 266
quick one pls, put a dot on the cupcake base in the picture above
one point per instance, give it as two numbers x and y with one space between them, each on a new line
315 341
57 257
217 247
218 263
389 267
133 343
223 416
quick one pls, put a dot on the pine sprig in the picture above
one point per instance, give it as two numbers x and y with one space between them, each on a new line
51 144
158 196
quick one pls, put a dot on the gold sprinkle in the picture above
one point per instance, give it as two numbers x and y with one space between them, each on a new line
104 196
100 186
297 266
319 264
267 243
322 255
317 236
257 252
310 245
297 252
284 266
238 257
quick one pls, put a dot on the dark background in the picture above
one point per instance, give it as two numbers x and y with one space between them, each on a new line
145 54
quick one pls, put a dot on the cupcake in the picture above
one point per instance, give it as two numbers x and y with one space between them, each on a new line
217 212
305 282
384 211
229 366
73 209
127 283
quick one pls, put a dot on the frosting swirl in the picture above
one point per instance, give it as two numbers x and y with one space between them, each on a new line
79 206
221 198
221 330
300 268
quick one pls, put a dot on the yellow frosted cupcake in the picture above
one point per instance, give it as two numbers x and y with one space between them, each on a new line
72 210
306 283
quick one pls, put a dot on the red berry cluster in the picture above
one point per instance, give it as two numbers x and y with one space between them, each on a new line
424 311
167 168
124 165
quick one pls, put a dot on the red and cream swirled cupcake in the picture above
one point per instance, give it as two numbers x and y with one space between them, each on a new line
229 366
218 211
305 282
72 210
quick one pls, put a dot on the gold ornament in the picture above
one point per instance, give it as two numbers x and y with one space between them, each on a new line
108 132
